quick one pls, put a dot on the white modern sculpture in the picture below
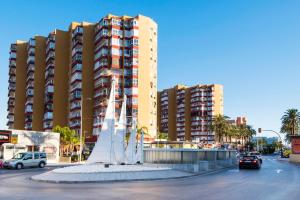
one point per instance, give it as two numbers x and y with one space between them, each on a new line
110 146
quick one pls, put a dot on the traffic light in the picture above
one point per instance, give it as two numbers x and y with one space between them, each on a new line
259 130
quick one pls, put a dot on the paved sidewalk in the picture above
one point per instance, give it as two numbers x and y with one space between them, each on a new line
62 164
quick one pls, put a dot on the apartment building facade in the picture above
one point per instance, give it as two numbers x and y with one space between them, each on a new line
65 78
186 112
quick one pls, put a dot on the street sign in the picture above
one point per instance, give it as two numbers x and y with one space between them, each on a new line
5 136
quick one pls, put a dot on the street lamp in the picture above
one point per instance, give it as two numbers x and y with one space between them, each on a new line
260 130
81 127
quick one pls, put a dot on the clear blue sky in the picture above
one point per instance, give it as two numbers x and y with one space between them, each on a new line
252 47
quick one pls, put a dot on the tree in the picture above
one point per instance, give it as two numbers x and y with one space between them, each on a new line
233 132
220 126
290 123
68 138
245 133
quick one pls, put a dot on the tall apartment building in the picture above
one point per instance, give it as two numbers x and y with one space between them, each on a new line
64 79
186 112
17 85
126 49
36 53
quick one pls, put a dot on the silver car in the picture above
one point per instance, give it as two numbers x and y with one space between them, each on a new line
27 159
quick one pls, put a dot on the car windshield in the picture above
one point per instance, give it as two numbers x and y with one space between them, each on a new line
19 156
255 154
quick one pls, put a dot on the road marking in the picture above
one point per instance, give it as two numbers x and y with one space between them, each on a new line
278 171
234 170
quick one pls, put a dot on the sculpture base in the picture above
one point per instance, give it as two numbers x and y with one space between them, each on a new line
98 173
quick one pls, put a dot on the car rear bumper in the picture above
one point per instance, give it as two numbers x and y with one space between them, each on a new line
249 165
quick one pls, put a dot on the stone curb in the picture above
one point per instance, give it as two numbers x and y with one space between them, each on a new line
134 180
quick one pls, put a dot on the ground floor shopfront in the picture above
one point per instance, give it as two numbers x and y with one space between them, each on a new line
22 140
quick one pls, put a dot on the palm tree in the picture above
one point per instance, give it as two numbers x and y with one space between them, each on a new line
219 126
233 132
290 123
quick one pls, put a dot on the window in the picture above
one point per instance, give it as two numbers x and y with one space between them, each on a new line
36 155
29 157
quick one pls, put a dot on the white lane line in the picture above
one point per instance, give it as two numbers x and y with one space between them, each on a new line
278 171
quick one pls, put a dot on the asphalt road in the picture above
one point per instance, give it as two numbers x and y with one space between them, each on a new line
275 180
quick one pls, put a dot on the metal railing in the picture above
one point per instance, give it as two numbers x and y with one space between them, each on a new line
186 156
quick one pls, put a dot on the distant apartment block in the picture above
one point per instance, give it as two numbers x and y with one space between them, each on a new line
64 79
238 121
186 112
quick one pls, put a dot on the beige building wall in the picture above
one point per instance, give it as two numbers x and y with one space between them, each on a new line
147 74
39 83
218 95
61 78
87 74
188 114
21 69
172 114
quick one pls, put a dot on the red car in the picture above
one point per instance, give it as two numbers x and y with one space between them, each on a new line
1 164
249 162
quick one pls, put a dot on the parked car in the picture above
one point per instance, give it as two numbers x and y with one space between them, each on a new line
258 155
27 159
249 162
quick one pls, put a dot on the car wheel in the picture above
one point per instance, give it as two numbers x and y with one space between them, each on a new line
41 165
19 166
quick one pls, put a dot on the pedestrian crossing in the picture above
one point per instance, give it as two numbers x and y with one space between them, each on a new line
269 159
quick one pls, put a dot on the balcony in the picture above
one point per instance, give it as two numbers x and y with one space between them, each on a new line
78 30
30 60
29 101
11 94
31 51
50 46
12 86
30 77
76 77
49 89
76 86
28 109
12 56
30 68
77 67
74 115
12 63
12 79
50 55
11 118
13 47
48 116
48 125
31 42
75 105
29 92
49 73
77 50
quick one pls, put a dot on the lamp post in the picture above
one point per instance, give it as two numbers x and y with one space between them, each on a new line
260 130
81 127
